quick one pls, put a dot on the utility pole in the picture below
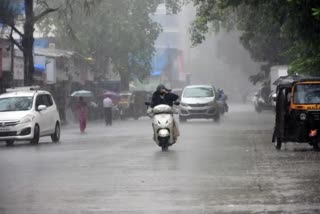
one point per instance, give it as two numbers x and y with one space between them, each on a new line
12 84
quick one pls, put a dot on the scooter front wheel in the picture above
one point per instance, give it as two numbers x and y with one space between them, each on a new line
165 148
164 144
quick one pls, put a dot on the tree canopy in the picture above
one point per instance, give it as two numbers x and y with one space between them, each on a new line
274 32
18 14
120 30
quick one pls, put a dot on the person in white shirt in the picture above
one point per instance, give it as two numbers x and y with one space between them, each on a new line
107 105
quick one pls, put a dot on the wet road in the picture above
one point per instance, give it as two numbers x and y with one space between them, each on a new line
229 167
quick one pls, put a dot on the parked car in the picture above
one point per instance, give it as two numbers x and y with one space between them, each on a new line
28 114
199 101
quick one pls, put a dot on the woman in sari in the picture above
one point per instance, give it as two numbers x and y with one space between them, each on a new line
82 109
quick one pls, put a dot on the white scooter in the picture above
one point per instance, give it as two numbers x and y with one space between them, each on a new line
162 116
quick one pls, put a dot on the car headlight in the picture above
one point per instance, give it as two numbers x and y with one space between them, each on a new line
211 103
27 119
303 116
184 105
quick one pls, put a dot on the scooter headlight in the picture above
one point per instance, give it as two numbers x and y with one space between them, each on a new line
303 116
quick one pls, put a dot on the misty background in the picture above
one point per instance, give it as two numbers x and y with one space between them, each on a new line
220 60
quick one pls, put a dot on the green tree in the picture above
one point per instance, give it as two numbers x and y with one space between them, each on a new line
34 11
121 30
10 16
273 31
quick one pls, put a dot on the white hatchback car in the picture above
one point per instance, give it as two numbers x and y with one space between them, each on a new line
27 114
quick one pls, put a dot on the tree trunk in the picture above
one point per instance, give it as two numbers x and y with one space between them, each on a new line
27 43
122 67
125 80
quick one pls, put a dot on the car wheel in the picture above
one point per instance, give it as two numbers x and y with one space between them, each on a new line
315 146
55 137
277 143
182 119
36 135
9 142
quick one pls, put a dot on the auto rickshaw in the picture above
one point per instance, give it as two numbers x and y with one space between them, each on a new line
131 104
124 105
297 111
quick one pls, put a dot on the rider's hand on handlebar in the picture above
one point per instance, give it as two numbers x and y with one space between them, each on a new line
164 91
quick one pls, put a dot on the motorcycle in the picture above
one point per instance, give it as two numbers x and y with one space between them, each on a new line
261 103
163 123
223 106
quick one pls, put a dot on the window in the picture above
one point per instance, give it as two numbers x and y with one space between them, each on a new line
307 94
198 92
39 101
44 99
47 100
16 104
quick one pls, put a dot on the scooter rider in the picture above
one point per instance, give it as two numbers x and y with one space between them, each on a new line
164 96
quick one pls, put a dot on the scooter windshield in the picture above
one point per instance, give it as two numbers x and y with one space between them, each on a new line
162 109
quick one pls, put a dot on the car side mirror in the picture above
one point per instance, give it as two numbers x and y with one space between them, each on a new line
177 103
147 103
42 107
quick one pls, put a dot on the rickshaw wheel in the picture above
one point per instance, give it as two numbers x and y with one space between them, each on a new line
278 143
315 146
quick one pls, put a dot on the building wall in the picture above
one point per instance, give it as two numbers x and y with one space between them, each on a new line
168 62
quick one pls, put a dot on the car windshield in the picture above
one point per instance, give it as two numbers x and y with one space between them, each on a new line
198 92
15 104
307 94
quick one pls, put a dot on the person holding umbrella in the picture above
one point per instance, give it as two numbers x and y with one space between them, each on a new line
82 109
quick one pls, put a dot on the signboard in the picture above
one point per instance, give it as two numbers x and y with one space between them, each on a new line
51 70
0 63
18 68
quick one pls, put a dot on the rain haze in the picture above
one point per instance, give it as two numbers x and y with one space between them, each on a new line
159 106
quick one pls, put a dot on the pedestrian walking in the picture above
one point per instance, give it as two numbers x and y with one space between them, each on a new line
82 109
107 105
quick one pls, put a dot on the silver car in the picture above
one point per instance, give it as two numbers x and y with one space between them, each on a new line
199 101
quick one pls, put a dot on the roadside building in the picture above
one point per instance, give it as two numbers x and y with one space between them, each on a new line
168 64
57 70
